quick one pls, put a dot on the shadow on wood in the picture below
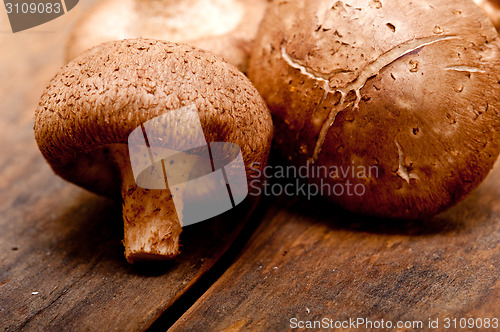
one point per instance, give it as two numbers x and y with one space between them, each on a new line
309 261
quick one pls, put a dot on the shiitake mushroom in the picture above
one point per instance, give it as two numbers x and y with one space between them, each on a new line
92 105
409 88
223 27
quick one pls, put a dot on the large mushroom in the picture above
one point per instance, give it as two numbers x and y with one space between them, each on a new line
400 99
224 27
91 108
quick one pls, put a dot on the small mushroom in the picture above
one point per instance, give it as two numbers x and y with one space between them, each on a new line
397 99
224 27
90 108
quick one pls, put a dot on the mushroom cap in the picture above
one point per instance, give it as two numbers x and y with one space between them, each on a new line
100 97
409 90
224 27
492 9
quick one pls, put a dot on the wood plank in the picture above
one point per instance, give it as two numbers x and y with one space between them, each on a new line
61 259
310 260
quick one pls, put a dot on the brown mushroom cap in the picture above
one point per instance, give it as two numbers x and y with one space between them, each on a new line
492 9
409 90
224 27
91 106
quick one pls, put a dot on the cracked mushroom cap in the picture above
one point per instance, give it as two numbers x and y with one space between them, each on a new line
90 108
399 100
224 27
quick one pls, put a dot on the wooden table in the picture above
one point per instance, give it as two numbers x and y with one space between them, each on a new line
62 264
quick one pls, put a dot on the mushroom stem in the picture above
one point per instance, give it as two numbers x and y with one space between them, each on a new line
151 222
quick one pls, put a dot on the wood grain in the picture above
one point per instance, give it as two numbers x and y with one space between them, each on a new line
61 258
310 260
62 265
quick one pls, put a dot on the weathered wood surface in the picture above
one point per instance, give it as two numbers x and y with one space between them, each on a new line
62 265
309 260
61 259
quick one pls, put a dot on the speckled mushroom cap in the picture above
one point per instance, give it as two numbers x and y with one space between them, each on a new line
90 107
224 27
104 94
409 90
